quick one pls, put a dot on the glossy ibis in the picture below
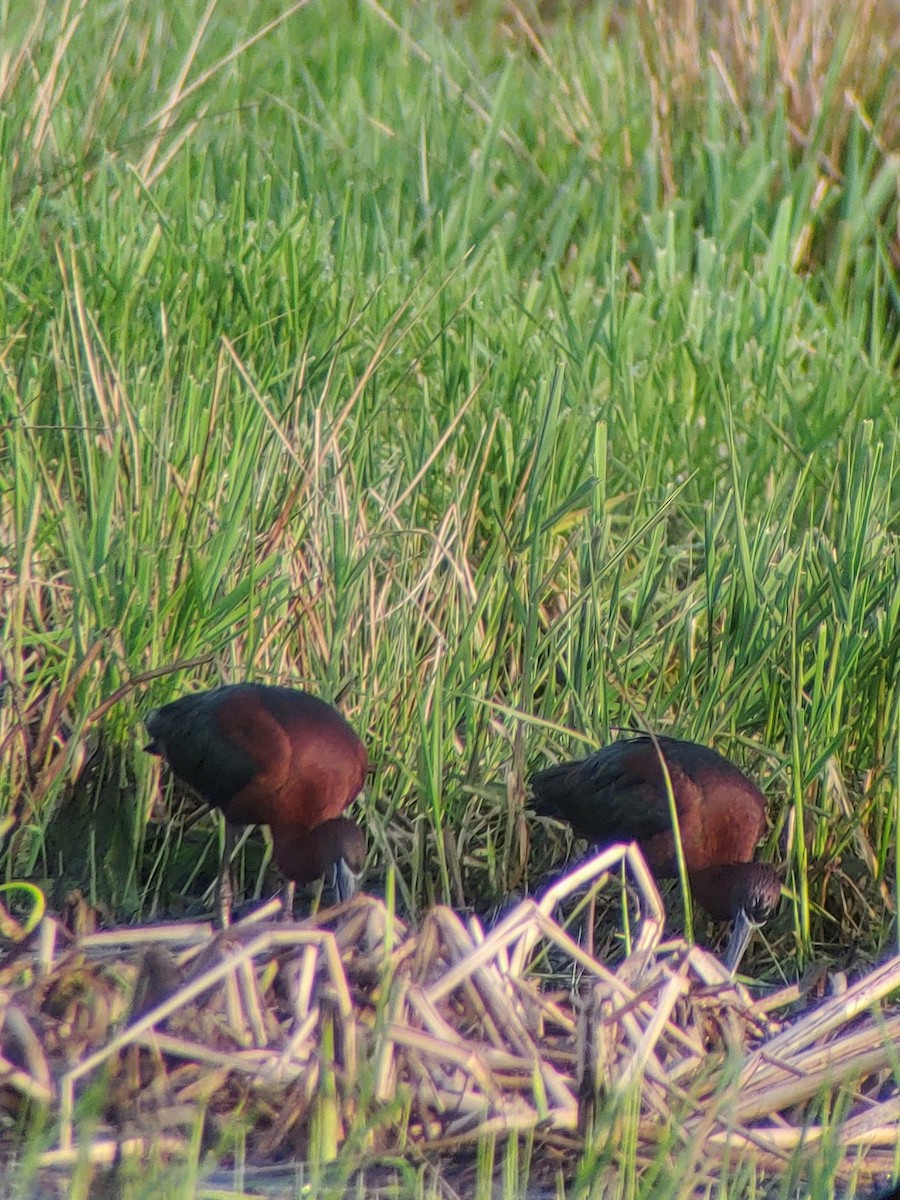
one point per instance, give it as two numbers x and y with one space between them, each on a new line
271 756
618 794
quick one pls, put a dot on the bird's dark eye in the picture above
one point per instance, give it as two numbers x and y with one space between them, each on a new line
760 906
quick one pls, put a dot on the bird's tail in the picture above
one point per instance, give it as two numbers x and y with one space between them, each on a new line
549 788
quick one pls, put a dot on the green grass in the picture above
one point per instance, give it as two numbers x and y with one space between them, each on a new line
514 379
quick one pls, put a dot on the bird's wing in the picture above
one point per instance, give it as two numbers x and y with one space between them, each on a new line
246 724
610 796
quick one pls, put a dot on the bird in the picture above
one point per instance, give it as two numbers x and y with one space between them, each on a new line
271 756
619 794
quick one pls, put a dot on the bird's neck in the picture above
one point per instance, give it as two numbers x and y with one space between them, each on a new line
300 854
716 887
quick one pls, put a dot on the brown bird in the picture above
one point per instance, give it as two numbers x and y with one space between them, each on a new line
271 756
618 794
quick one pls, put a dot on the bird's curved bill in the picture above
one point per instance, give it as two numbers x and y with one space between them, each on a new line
741 932
345 882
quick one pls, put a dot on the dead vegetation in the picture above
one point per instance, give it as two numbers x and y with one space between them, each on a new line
357 1028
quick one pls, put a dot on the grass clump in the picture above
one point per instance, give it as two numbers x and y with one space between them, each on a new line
358 1041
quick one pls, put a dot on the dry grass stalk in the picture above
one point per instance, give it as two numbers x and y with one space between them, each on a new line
315 1021
679 40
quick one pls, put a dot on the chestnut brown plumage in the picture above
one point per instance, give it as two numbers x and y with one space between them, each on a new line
618 794
336 848
271 756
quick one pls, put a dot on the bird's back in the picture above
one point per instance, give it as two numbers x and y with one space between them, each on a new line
264 755
619 794
328 761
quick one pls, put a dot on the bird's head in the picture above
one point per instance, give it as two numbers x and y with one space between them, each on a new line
755 895
334 850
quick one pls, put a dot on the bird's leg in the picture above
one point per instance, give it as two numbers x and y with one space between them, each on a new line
224 889
290 892
590 919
